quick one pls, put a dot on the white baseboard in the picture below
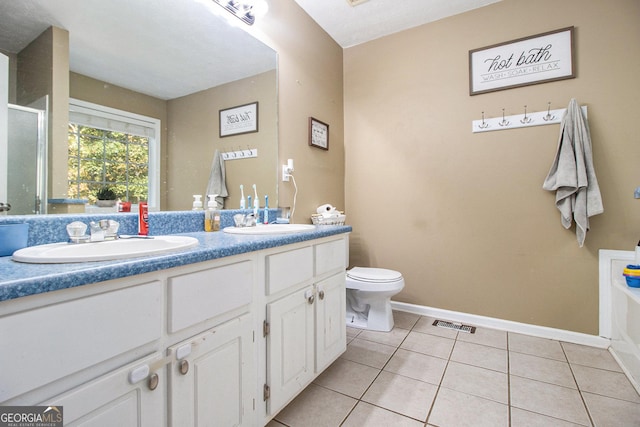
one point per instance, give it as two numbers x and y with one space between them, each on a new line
504 325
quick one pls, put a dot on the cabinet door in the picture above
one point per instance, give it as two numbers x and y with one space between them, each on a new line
331 331
289 346
113 400
212 380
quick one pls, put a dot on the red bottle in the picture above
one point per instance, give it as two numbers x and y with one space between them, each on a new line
143 219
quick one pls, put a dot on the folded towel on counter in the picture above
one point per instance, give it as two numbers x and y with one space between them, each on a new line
572 175
217 179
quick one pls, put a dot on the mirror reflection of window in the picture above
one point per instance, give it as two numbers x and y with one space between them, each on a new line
112 148
100 158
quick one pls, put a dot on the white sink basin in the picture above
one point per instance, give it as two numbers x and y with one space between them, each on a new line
102 251
270 229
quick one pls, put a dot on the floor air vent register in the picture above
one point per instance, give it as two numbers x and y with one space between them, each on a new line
456 326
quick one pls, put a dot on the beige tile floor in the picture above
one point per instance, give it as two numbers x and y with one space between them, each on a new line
422 375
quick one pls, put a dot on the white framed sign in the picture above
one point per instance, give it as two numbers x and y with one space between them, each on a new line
238 120
530 60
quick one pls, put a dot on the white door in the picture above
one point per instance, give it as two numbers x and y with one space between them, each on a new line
331 331
26 154
212 381
289 346
23 155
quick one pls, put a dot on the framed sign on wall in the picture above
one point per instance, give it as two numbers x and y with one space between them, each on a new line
238 120
530 60
318 134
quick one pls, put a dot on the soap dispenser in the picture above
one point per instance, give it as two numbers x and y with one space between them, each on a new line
197 202
212 215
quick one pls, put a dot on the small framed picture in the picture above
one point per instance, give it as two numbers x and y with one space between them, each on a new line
318 134
239 120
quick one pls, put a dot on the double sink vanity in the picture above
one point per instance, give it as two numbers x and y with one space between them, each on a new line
224 332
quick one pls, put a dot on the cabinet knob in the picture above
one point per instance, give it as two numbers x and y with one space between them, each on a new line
183 367
310 296
321 294
153 381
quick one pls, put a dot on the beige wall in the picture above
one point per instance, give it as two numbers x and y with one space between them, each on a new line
194 136
463 216
42 69
309 84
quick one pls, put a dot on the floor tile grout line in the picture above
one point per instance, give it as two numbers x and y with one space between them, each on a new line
378 375
573 375
509 379
435 397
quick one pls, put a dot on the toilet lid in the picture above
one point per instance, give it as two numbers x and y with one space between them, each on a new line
373 274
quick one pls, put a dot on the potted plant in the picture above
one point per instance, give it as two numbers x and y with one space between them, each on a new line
106 197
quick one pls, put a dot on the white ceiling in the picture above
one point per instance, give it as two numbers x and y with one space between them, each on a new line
352 25
171 48
162 48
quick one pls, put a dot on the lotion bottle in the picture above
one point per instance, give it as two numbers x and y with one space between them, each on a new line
212 215
637 260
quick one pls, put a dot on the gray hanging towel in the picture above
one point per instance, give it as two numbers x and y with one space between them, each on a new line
572 175
217 179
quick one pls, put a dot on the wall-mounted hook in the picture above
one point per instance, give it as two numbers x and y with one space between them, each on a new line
525 119
504 121
548 117
484 124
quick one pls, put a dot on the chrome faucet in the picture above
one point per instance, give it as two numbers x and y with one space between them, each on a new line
241 220
105 229
98 230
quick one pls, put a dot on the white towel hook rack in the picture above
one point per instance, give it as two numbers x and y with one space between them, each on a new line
527 119
240 154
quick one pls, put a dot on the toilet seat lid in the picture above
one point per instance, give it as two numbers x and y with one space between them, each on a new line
373 274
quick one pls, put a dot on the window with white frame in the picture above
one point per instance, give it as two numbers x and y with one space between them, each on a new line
113 148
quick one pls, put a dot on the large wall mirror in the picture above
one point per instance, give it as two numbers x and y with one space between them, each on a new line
172 64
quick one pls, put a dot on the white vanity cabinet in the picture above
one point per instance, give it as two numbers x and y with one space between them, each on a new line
52 343
130 396
212 374
290 335
304 326
330 320
226 342
212 380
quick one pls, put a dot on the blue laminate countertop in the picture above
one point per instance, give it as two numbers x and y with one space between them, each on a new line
19 280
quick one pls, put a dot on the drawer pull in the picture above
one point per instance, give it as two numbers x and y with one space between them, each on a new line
321 294
153 381
183 367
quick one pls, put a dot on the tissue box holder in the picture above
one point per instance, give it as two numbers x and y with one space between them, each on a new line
318 219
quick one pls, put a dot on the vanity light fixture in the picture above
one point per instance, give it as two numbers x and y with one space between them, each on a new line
244 10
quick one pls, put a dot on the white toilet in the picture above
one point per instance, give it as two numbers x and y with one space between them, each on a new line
369 292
